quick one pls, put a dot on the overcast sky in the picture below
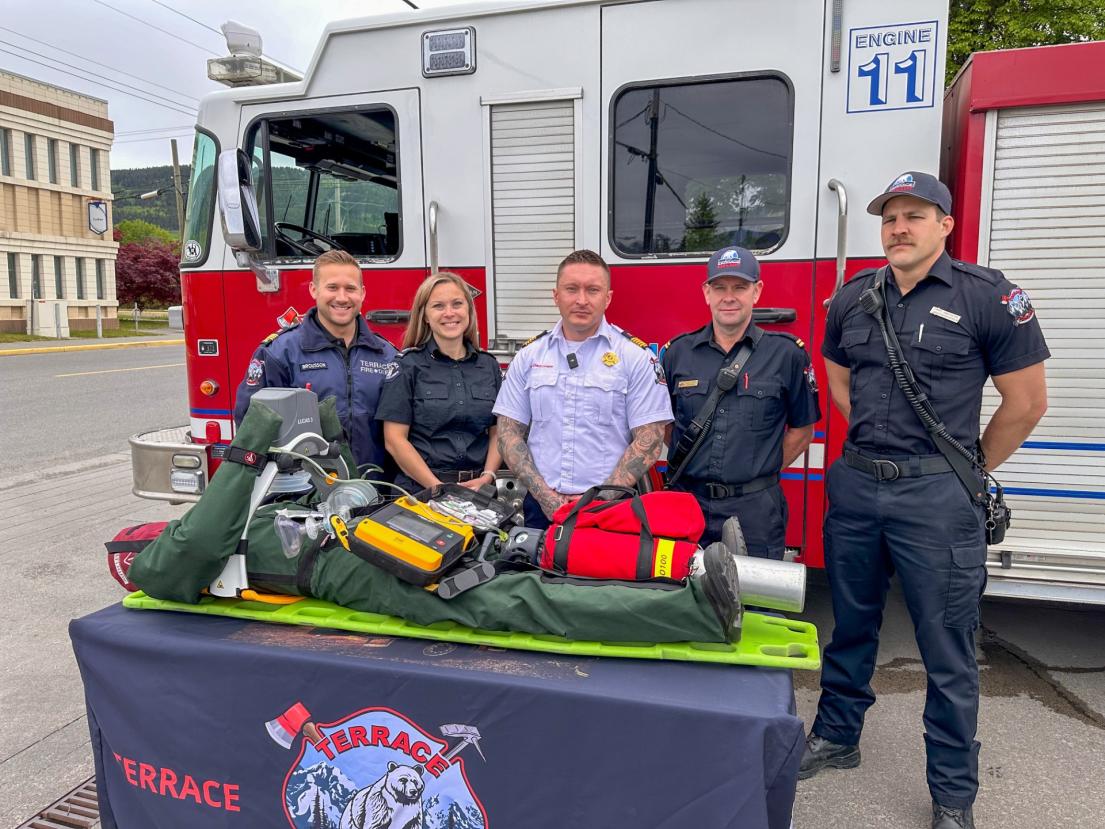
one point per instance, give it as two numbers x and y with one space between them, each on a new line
91 46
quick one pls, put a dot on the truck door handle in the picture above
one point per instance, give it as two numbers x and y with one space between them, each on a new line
431 221
841 233
763 316
388 316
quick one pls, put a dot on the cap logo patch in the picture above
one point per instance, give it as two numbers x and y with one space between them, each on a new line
729 259
905 182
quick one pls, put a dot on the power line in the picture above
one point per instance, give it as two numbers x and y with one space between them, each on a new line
106 66
99 81
158 28
721 134
152 138
82 69
154 129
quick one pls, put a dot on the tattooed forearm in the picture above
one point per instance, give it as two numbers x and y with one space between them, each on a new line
512 445
642 452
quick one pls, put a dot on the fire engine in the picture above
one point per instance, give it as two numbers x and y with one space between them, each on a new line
492 139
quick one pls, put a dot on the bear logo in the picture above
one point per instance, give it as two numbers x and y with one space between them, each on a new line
392 802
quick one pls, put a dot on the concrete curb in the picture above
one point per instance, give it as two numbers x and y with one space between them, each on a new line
12 352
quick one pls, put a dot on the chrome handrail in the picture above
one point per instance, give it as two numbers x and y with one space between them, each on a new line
841 233
432 223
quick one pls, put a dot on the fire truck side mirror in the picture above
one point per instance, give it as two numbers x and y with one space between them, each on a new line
237 202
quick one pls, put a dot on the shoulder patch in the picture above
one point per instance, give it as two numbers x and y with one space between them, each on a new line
798 341
988 275
535 338
635 340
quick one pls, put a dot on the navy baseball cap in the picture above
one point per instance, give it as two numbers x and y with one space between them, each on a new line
733 261
919 185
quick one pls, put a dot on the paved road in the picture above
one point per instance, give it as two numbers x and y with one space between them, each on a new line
65 490
72 407
1043 677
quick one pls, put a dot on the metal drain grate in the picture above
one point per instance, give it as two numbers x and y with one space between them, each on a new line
77 810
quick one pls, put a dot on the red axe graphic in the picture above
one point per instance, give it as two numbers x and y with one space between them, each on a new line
296 719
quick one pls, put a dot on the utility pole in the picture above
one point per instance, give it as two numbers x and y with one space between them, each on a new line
179 191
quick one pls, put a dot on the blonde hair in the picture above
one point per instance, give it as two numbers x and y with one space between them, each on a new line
418 330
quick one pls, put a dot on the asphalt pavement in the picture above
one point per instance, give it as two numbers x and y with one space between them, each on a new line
66 489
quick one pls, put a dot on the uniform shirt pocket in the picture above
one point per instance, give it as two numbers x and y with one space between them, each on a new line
857 344
689 401
759 404
482 393
432 408
939 350
541 386
605 395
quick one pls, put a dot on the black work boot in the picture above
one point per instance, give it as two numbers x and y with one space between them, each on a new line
948 817
822 754
722 588
732 536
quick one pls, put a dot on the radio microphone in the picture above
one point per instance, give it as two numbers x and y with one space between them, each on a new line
573 361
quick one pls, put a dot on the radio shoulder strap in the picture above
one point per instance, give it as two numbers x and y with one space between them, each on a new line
961 462
694 435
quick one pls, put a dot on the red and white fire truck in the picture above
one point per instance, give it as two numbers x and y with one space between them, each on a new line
492 139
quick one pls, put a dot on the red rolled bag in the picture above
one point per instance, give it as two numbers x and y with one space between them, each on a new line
632 538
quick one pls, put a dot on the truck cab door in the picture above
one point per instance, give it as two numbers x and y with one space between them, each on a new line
342 171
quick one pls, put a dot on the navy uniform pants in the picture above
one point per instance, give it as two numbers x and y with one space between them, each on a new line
763 517
927 530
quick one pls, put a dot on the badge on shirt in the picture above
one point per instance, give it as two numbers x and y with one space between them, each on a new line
255 372
936 311
811 380
609 359
686 384
1019 306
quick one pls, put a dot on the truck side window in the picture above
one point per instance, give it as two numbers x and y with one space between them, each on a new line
201 203
697 166
328 179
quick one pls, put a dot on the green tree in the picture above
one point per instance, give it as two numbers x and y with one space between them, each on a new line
139 231
701 223
984 25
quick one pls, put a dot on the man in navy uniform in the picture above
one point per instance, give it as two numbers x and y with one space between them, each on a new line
760 426
895 505
332 352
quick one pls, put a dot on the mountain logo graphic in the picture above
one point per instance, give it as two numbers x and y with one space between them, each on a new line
376 769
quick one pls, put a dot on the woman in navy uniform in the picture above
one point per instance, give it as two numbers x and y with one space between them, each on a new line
436 410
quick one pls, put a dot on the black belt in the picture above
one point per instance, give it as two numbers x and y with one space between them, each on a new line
882 469
457 476
714 489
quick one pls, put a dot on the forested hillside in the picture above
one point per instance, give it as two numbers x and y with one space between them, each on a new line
127 185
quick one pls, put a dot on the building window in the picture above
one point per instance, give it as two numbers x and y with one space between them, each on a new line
52 159
74 165
29 151
13 276
6 152
693 173
59 277
36 277
80 278
94 165
100 293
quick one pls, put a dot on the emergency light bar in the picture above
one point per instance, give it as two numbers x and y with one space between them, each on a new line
449 52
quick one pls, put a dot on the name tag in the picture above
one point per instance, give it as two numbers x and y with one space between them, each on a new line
947 315
687 384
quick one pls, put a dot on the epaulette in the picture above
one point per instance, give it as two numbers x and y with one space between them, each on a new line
678 337
268 340
986 274
408 350
535 338
635 340
798 341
